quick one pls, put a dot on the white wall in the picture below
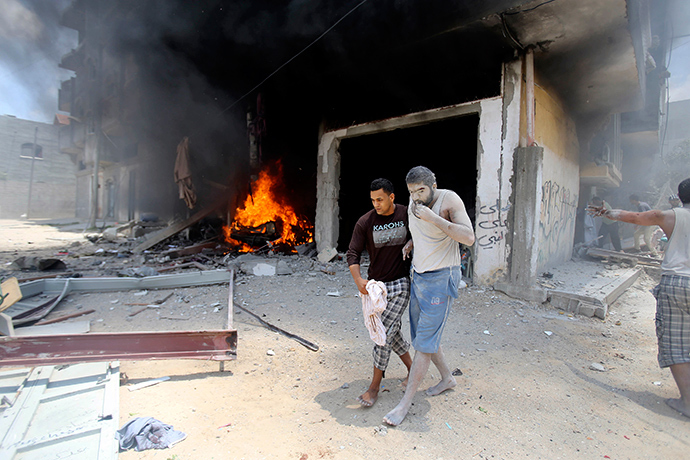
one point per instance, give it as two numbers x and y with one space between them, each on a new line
499 135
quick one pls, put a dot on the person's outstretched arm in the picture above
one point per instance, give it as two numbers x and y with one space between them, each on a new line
664 219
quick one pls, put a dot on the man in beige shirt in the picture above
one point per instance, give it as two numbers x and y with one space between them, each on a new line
438 223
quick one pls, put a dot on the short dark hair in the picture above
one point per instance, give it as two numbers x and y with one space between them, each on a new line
381 183
684 191
634 197
421 174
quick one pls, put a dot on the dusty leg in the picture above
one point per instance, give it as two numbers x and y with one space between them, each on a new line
681 374
407 361
420 365
648 240
372 394
636 237
447 380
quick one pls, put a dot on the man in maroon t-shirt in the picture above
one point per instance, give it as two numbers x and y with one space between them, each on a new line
383 232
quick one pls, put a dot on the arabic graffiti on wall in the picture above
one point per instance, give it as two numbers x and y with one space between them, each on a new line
491 225
557 222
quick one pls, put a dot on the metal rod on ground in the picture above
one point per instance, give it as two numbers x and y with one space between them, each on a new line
300 340
63 318
183 265
138 311
155 302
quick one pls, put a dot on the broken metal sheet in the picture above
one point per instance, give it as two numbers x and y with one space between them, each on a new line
74 327
124 283
10 383
60 412
34 305
216 345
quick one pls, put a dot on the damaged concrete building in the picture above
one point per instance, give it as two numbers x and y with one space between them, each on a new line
524 108
36 179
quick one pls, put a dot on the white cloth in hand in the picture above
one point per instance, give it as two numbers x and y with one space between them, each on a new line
373 304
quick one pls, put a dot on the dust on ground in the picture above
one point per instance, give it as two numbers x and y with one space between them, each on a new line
527 390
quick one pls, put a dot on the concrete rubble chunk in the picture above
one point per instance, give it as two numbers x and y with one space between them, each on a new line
597 367
587 309
327 255
259 266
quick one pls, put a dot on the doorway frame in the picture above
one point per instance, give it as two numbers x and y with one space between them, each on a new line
497 138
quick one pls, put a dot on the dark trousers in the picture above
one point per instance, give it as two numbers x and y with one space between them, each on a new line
612 231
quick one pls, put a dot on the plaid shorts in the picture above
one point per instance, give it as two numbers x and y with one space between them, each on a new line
398 297
673 319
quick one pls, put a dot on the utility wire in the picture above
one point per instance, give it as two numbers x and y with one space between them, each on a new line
294 57
283 65
506 29
530 9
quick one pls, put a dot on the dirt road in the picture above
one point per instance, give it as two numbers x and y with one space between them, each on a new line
527 389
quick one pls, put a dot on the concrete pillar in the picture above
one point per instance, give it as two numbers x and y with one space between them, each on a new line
326 222
529 94
527 191
92 156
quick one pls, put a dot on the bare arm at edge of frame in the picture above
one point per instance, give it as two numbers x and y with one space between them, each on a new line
664 219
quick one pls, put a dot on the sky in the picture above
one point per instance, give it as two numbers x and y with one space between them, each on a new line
32 44
679 66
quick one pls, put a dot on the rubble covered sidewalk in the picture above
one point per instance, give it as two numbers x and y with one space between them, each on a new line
587 288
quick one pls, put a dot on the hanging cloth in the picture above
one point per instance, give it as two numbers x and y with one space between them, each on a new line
183 174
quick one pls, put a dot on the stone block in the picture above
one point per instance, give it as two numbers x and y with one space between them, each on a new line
586 309
327 255
529 293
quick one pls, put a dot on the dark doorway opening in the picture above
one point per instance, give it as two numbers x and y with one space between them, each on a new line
448 148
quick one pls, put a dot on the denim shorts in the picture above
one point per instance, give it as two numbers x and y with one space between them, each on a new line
430 299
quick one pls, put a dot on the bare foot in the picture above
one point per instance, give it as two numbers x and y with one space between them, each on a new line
396 416
441 386
368 398
678 405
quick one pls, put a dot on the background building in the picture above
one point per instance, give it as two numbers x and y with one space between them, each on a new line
525 108
36 179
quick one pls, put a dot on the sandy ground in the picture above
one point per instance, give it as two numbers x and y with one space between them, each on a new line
527 389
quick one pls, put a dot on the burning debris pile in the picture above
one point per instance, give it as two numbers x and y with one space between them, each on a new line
268 220
265 222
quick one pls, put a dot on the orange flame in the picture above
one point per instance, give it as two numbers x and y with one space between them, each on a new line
263 206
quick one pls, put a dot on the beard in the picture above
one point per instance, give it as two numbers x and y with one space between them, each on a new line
428 201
